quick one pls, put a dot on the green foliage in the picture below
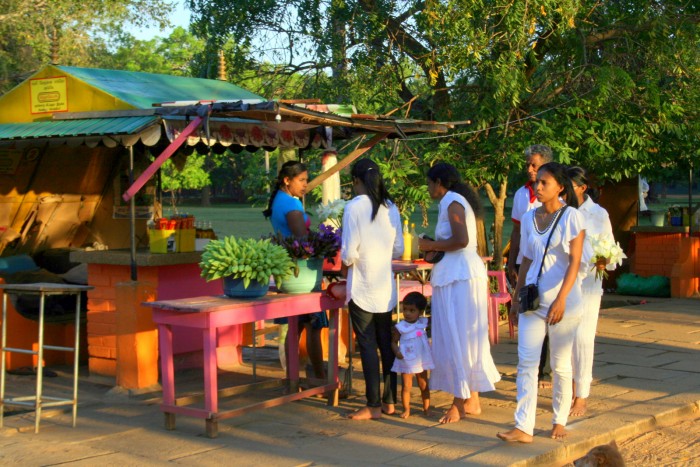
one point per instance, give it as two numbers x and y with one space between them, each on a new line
193 175
172 55
82 30
245 258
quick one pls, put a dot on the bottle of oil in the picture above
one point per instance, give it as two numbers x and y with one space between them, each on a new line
414 242
406 242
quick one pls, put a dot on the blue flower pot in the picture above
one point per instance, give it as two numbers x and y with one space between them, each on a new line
308 279
234 288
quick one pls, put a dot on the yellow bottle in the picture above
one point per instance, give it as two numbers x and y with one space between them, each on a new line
414 242
406 242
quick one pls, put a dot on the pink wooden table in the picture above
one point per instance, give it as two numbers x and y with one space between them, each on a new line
209 313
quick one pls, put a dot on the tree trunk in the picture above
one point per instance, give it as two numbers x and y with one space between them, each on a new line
206 196
499 203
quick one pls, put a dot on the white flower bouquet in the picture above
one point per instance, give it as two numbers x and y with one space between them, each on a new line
605 251
331 213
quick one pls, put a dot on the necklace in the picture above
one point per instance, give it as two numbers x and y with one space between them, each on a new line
552 217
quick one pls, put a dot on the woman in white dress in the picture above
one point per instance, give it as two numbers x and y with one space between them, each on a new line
558 278
461 350
596 222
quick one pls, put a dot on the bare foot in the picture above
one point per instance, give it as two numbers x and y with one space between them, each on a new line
405 414
558 432
366 413
472 406
515 435
578 408
453 414
544 384
388 409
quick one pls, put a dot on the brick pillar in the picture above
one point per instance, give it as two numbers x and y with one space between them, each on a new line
136 336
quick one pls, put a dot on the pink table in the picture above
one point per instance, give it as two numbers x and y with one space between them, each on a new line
209 313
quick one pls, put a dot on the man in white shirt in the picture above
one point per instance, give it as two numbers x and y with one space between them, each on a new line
523 201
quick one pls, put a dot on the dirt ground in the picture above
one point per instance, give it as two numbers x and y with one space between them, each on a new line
673 445
676 444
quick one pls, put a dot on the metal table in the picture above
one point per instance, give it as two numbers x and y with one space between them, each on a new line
38 400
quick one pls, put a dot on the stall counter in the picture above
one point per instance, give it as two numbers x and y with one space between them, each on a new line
115 313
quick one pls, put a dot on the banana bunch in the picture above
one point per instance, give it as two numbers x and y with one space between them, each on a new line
245 258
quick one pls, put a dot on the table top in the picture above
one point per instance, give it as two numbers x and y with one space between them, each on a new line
214 303
45 287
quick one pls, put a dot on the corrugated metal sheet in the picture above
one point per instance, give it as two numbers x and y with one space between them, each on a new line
68 128
142 90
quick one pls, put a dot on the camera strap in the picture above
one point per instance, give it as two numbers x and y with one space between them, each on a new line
559 213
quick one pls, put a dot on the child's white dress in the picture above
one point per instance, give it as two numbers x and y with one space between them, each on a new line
414 347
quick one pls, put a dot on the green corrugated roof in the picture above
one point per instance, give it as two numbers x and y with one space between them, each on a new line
142 90
68 128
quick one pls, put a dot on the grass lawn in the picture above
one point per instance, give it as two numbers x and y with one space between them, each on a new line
242 220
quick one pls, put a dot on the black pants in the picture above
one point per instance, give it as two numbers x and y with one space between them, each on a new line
373 331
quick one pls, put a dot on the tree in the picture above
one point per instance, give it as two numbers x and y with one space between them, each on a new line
609 86
76 32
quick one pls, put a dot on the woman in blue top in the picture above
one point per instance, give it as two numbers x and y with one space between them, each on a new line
286 213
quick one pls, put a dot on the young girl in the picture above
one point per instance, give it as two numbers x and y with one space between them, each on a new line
555 247
413 356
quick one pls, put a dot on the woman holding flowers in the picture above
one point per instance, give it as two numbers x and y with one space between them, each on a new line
598 231
371 239
552 239
286 213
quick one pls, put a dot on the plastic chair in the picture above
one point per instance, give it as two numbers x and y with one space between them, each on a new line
495 299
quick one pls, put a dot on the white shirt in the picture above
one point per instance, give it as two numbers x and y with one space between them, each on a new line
462 264
369 246
521 205
596 221
556 262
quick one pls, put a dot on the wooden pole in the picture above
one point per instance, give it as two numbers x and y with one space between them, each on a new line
347 160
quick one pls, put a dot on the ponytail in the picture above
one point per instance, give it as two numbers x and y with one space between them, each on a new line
450 179
289 169
367 171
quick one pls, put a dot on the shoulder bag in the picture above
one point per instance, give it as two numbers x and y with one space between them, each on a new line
529 295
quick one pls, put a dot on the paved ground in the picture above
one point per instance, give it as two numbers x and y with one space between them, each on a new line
646 375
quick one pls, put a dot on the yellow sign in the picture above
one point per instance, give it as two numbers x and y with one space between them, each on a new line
48 95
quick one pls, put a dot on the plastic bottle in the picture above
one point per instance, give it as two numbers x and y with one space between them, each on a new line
414 242
406 242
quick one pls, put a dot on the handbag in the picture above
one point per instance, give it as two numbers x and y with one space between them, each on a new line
432 257
529 295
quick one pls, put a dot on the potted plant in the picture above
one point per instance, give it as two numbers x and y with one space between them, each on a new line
308 254
245 265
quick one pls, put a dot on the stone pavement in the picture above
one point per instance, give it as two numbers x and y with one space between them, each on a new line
646 372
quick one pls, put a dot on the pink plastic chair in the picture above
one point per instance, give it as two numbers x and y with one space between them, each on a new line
495 299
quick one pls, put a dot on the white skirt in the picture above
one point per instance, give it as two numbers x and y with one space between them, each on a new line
461 349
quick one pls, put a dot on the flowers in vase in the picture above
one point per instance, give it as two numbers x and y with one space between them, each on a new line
323 243
605 251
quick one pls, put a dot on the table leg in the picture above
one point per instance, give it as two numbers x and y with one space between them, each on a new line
292 343
76 358
332 373
211 395
212 427
3 343
165 338
39 364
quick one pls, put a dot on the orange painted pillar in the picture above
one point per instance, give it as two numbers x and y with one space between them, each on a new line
137 337
685 273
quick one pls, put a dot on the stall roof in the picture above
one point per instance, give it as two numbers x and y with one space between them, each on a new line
73 128
143 90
